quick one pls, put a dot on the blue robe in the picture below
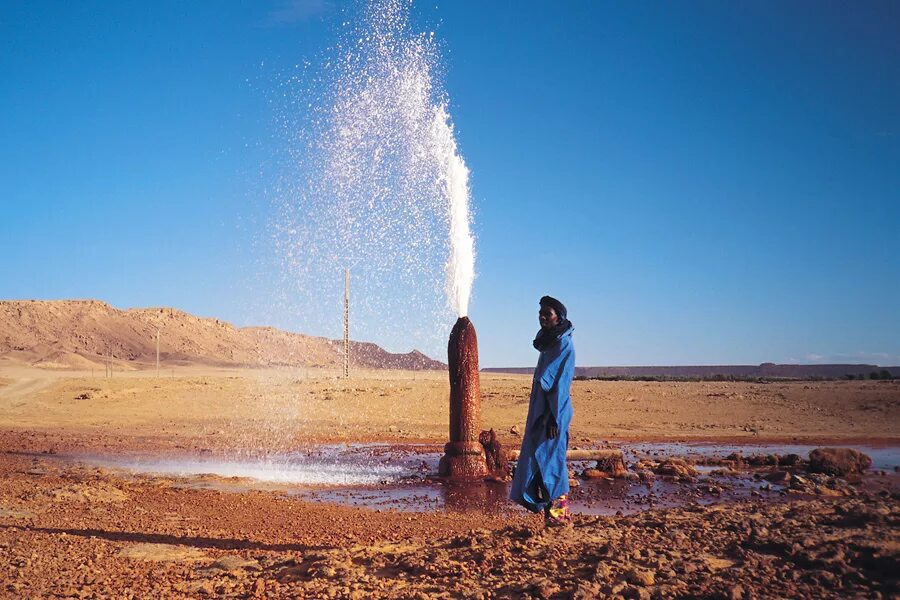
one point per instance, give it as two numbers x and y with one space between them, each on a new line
543 460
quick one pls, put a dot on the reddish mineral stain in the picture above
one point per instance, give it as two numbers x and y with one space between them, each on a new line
464 455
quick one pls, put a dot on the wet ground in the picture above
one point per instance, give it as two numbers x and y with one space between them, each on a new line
295 525
399 477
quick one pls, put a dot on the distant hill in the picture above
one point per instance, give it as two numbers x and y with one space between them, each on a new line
765 370
79 333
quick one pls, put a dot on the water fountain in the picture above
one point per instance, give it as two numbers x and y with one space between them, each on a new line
373 172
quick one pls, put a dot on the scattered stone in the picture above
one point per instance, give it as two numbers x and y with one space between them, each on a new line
790 460
613 466
641 577
735 592
838 461
602 572
542 588
675 467
232 562
762 460
592 474
779 477
515 430
203 588
636 592
715 564
586 591
496 455
723 473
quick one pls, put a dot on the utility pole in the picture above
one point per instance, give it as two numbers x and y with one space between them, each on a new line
347 322
157 352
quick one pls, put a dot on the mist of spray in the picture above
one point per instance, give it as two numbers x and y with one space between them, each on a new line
376 182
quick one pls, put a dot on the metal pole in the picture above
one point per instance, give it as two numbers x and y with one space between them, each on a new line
347 322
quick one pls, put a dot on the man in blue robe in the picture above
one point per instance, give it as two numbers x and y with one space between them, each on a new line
541 480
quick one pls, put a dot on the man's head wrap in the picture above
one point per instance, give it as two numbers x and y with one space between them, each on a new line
555 304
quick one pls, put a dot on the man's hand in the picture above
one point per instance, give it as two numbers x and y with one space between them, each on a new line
552 427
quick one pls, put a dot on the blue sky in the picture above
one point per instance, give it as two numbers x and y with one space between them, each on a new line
700 182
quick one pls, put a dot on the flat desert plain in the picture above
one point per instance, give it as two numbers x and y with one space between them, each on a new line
70 528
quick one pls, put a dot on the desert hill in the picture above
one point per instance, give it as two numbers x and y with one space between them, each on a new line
80 333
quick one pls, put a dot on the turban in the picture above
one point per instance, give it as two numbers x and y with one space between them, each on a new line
555 304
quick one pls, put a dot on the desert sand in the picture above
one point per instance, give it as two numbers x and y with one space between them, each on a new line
68 529
262 407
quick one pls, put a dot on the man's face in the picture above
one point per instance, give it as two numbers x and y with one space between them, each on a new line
547 317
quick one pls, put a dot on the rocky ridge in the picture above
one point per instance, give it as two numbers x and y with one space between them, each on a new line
79 334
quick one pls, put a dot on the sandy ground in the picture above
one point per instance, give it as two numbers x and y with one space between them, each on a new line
67 530
284 408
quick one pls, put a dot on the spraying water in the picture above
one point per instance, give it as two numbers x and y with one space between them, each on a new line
376 183
455 178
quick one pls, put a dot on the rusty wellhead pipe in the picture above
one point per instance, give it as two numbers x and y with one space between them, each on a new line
464 456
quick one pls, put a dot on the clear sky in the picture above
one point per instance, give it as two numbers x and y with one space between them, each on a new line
700 182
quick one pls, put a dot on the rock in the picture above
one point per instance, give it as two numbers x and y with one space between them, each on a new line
641 577
586 591
259 587
592 474
613 466
798 482
204 587
675 467
762 460
636 592
393 429
602 572
496 455
542 588
233 562
723 473
779 477
515 430
822 490
735 592
838 461
789 460
716 564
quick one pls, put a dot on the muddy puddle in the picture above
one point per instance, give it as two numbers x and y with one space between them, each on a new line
396 477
